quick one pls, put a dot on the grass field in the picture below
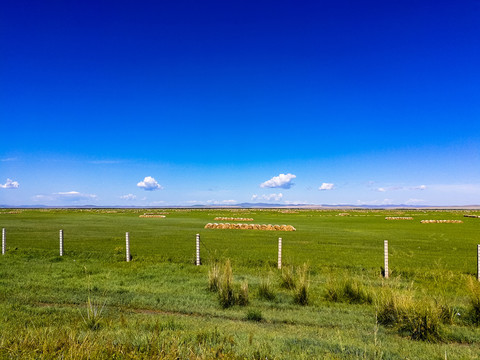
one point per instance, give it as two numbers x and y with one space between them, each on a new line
91 303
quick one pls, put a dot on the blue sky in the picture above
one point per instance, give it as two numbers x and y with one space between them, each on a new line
187 102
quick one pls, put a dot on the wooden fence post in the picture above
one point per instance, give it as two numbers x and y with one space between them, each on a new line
61 242
197 244
127 245
4 240
385 254
279 252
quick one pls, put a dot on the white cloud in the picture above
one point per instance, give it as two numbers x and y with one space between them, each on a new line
9 159
296 202
74 196
415 202
420 187
375 202
326 186
472 189
69 196
283 181
10 184
128 197
396 188
222 202
269 197
149 184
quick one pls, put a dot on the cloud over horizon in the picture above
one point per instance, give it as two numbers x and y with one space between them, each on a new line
149 184
269 197
326 186
68 196
283 181
10 184
128 197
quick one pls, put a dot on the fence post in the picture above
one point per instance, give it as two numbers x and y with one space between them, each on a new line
279 252
4 240
61 242
385 254
197 243
478 262
127 245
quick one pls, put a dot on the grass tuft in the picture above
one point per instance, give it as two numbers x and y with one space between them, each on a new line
349 291
474 311
265 290
301 296
93 316
214 278
254 315
287 280
418 320
226 295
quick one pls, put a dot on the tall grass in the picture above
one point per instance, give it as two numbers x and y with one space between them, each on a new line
287 280
420 320
265 290
301 296
93 316
349 291
474 311
228 294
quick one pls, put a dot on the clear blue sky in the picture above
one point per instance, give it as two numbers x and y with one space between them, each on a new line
209 102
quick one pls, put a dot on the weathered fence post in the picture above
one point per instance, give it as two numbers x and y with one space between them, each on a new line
127 245
279 252
197 243
478 262
385 254
4 240
61 242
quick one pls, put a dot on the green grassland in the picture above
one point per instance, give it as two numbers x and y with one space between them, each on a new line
91 303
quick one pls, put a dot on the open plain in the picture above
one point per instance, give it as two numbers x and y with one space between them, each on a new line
329 300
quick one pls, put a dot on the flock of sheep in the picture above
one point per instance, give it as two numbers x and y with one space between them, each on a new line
232 219
442 221
250 227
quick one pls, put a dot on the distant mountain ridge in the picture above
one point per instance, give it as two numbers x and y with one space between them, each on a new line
252 206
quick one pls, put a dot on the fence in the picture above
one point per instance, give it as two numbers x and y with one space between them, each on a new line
128 256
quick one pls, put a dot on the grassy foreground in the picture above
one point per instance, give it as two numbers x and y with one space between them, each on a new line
90 303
